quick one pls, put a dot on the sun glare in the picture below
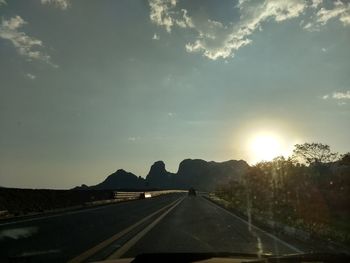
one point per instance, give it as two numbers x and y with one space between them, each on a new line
265 147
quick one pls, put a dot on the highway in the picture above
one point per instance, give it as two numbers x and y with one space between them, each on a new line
169 223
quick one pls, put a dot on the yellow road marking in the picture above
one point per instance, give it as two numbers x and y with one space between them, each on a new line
122 250
85 255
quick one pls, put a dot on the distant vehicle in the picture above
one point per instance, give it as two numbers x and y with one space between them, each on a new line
145 195
192 192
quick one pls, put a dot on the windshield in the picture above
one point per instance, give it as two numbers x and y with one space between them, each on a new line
173 126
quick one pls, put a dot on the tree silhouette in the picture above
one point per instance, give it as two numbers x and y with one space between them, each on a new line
313 153
345 159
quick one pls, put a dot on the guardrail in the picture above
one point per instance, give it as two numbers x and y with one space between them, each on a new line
142 195
127 195
119 196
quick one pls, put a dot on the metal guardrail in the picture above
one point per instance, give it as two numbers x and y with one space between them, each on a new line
121 196
127 195
117 196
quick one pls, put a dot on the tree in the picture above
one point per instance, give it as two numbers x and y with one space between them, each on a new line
345 159
313 153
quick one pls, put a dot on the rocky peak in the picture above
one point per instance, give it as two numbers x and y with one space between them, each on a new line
157 168
158 176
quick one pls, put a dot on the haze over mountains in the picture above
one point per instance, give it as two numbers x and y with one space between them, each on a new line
196 173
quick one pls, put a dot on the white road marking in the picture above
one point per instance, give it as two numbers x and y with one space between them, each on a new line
122 250
255 227
18 233
90 252
82 210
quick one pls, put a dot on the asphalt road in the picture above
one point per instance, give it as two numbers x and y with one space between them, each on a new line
197 225
193 225
61 237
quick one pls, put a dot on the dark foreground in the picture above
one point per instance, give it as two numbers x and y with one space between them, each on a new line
197 225
193 224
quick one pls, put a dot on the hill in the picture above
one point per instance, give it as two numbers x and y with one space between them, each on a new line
120 180
196 173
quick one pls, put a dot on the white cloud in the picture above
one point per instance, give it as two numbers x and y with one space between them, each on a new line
155 37
340 10
316 3
184 20
30 76
62 4
217 40
25 45
341 95
324 49
163 13
160 13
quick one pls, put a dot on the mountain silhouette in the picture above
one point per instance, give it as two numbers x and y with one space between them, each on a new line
207 175
121 180
158 177
197 173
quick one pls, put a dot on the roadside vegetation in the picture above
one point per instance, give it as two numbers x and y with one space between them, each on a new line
20 202
309 191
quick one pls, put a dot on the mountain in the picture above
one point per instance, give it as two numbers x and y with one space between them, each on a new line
121 180
160 178
207 175
200 174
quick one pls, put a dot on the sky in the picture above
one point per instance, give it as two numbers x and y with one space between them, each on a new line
88 87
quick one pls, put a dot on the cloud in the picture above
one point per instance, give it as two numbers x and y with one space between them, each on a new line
215 40
30 76
316 3
341 97
163 13
24 44
155 37
219 41
62 4
3 2
340 10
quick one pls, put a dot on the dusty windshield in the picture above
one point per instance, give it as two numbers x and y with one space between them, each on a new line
139 127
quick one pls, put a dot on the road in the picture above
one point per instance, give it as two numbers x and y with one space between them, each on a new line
197 225
178 224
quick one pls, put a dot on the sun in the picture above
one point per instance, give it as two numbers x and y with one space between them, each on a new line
263 140
265 147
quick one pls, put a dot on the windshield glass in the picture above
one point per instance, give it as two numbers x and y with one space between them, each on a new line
173 126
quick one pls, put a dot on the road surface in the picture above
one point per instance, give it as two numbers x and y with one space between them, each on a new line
170 223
